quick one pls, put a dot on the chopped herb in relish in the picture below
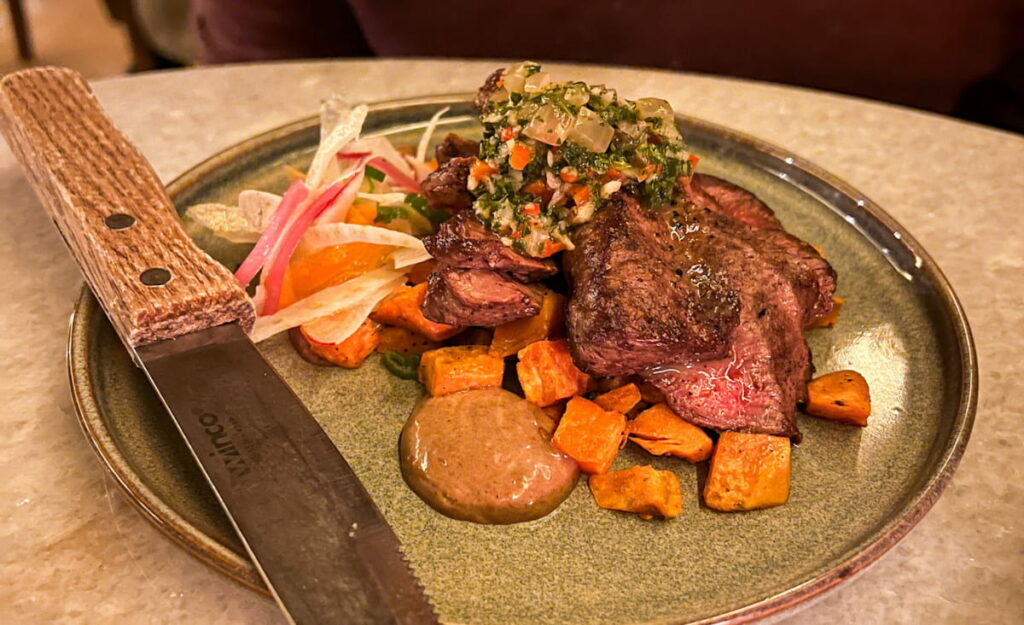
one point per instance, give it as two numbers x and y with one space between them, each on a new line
553 153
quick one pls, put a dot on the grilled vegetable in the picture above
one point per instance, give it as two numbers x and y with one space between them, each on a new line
351 352
748 471
405 366
661 432
590 435
403 310
643 490
404 341
841 396
451 369
621 399
547 373
513 336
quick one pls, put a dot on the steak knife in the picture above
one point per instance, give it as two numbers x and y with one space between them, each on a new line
323 548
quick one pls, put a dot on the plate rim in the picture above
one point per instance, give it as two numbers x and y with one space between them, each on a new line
218 556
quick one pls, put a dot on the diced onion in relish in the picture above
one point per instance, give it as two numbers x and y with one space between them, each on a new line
591 132
549 125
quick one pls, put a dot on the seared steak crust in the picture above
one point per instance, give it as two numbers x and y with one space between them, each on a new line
642 295
464 242
492 84
445 188
455 146
756 386
478 297
813 277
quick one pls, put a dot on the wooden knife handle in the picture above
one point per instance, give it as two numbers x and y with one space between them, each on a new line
113 212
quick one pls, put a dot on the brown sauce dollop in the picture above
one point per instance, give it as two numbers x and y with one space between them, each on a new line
484 456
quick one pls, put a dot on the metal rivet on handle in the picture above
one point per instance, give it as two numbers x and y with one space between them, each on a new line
156 276
119 221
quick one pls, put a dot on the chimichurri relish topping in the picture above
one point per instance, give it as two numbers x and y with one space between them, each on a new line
553 153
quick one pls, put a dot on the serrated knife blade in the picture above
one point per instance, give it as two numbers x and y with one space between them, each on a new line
324 549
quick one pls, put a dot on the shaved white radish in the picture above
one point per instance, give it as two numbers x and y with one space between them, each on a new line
380 147
336 328
225 221
343 133
258 207
428 132
359 294
329 235
407 256
384 199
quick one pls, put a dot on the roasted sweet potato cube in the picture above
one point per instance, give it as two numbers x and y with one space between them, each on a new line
403 310
552 415
547 374
829 320
622 399
404 341
419 272
351 352
643 490
748 471
841 396
451 369
513 336
650 393
661 432
590 435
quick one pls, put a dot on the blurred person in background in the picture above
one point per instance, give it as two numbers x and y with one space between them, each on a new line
947 56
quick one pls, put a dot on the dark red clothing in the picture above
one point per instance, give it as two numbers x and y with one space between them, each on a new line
919 53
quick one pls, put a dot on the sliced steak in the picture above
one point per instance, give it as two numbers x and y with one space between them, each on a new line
464 242
813 277
445 188
642 294
755 388
478 297
455 146
718 195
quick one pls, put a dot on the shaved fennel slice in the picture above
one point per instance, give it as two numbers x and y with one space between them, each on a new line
410 256
258 207
337 327
341 135
329 235
332 111
428 132
380 147
384 199
359 294
227 222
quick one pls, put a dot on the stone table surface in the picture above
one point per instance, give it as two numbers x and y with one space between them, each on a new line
72 549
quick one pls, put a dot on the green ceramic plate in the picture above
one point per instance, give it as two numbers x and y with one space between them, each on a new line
855 492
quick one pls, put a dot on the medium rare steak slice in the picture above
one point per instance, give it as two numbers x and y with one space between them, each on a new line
455 146
642 294
445 187
813 277
719 195
754 388
464 242
478 297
